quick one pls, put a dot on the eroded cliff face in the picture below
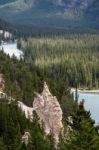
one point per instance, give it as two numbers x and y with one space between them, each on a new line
49 111
27 110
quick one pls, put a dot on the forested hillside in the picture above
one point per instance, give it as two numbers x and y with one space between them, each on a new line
22 79
7 26
72 58
49 74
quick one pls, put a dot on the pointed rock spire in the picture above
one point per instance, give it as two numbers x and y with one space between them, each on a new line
46 90
50 112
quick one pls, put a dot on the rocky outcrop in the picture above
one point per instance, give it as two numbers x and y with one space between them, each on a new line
49 111
69 130
3 95
27 110
26 138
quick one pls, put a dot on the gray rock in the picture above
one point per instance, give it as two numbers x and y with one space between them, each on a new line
26 138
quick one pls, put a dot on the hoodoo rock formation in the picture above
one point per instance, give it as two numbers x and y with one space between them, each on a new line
49 111
47 108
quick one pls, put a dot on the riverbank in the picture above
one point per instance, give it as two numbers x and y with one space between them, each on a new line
91 101
93 91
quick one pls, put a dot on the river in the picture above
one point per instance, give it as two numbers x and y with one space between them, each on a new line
11 49
91 103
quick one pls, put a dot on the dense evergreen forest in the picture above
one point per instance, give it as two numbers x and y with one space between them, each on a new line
53 60
72 58
40 31
61 59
